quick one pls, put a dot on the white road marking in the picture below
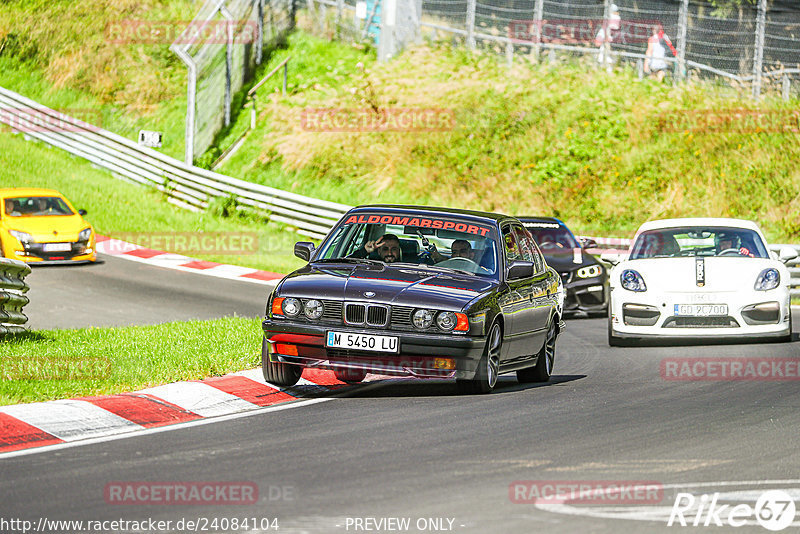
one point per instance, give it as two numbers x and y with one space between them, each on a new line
71 420
200 398
198 422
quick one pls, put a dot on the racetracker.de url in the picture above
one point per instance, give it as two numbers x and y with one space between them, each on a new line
142 526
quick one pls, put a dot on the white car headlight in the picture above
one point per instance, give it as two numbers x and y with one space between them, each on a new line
632 280
23 237
590 271
768 279
85 235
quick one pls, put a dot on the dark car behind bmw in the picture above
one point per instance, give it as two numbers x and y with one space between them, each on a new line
584 277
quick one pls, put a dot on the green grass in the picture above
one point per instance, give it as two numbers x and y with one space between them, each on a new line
56 364
115 206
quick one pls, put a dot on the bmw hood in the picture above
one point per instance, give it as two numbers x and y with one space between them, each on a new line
701 274
400 285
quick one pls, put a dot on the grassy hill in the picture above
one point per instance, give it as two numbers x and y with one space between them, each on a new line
561 139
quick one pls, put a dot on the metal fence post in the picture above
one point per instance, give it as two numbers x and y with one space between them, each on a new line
785 87
606 35
538 15
228 62
683 29
758 56
260 27
339 14
191 96
471 24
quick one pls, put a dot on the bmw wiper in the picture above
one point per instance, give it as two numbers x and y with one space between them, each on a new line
435 267
350 260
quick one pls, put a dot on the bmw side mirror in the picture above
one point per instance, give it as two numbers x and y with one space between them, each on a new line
520 269
588 242
303 250
82 212
787 254
611 258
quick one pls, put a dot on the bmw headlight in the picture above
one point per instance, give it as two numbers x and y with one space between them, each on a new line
85 235
313 309
446 320
23 237
291 307
422 319
589 271
632 280
768 279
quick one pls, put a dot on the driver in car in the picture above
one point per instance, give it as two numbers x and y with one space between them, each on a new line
387 248
731 242
461 248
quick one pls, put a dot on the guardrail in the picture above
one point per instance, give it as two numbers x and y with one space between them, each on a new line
12 287
187 186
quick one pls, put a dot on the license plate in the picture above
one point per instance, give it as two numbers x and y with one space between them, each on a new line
57 247
701 310
348 340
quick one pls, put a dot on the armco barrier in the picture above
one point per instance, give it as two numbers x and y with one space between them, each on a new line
12 287
187 186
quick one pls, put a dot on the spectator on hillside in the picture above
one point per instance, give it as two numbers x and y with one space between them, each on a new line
654 63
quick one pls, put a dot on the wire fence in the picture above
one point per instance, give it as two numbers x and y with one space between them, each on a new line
221 48
754 45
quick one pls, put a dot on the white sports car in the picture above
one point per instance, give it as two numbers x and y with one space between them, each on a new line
700 278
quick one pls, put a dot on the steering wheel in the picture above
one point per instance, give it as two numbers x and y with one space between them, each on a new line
728 251
464 264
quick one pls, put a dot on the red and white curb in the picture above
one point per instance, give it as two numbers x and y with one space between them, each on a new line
26 426
131 251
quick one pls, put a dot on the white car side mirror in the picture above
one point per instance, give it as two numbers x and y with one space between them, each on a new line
612 258
787 254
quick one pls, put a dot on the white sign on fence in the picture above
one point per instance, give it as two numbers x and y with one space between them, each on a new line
150 139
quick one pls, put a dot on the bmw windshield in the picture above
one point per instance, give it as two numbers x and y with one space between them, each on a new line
427 240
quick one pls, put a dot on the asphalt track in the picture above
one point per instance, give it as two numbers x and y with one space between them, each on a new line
120 292
414 449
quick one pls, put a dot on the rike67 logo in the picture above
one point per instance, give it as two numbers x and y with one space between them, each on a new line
774 510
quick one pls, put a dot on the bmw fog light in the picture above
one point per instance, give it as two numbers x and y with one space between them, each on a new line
313 309
422 319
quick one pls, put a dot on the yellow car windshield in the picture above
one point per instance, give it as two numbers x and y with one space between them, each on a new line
36 206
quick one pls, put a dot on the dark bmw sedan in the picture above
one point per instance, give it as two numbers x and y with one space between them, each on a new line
417 291
585 278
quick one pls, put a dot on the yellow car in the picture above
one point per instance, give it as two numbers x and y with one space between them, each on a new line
40 226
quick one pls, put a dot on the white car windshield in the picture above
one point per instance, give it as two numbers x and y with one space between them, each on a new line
699 241
433 241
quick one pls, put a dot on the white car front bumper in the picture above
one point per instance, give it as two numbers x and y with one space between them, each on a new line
650 314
